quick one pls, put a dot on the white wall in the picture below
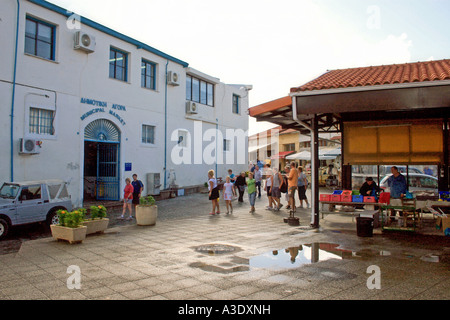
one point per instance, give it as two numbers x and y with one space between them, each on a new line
61 84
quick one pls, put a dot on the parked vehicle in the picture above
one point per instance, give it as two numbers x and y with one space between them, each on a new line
33 201
417 182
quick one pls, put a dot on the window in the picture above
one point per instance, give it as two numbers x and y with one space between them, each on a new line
118 64
236 104
182 138
226 145
148 75
199 91
41 121
289 147
40 39
148 134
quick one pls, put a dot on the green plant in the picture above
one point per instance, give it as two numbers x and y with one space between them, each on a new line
70 219
98 212
147 201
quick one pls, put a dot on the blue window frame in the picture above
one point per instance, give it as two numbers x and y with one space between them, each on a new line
236 104
118 64
40 38
148 75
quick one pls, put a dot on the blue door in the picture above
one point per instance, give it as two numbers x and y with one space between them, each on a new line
104 136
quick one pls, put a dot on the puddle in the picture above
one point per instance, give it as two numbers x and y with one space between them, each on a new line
218 269
295 257
216 249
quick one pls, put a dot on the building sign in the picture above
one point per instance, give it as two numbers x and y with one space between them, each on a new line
101 108
128 167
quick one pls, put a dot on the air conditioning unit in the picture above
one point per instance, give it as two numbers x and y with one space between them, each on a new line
191 107
84 42
30 146
173 78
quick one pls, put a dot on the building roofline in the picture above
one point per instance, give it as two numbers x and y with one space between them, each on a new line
109 31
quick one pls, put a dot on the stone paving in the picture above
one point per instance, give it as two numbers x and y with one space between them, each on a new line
168 261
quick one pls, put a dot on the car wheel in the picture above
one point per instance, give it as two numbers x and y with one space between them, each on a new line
53 218
4 228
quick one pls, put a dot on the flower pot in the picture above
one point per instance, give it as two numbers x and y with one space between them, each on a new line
72 235
146 215
96 225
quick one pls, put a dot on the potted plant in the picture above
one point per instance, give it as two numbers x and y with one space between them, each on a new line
98 222
146 211
70 226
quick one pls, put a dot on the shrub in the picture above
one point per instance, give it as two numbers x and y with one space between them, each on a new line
98 212
71 219
147 201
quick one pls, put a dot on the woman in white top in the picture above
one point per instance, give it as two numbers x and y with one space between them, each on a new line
228 193
269 182
213 192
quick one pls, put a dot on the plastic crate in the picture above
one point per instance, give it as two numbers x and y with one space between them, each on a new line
385 197
346 198
337 192
355 193
370 199
358 198
444 195
325 197
347 193
336 197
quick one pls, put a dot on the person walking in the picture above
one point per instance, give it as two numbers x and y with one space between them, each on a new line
292 186
302 186
268 188
127 199
277 182
240 184
258 178
251 183
138 187
285 187
213 192
228 193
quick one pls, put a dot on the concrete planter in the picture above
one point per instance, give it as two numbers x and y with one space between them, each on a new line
72 235
146 215
96 225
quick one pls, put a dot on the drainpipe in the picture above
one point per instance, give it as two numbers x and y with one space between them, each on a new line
314 163
14 92
165 131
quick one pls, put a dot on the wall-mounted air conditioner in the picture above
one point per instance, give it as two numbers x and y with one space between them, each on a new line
191 107
84 42
30 146
173 78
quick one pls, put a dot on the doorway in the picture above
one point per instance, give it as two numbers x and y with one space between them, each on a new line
101 161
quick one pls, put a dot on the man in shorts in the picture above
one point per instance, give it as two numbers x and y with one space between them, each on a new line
138 187
292 186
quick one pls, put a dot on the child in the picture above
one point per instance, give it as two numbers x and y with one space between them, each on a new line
251 185
213 192
228 194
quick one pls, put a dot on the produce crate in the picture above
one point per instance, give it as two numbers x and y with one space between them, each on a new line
336 197
346 198
325 197
370 200
358 198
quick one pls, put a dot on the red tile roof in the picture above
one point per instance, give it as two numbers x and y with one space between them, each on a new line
380 75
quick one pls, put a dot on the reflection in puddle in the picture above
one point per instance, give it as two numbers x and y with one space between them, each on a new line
295 257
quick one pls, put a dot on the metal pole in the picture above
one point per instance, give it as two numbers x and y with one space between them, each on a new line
315 173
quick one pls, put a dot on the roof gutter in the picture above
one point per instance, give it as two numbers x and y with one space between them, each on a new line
295 116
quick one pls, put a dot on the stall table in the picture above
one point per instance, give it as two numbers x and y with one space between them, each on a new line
368 206
404 208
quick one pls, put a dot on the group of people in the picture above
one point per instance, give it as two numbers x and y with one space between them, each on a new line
132 193
275 184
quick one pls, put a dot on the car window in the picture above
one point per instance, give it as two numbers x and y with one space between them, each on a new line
30 193
428 182
9 191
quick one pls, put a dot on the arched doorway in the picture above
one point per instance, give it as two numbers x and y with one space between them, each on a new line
101 161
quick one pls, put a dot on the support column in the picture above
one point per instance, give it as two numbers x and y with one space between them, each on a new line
315 163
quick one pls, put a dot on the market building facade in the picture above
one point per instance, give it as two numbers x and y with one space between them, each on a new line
92 106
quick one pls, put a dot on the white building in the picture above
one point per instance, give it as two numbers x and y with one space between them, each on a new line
102 106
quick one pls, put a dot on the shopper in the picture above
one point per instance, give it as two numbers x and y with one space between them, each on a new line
292 184
127 199
213 192
277 182
138 187
258 178
302 186
268 188
251 183
240 184
228 193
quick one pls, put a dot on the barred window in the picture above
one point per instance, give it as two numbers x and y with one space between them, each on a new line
41 121
148 134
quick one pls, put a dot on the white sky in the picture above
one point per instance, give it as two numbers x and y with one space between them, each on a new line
276 45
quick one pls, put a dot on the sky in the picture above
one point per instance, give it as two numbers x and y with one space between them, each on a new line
275 45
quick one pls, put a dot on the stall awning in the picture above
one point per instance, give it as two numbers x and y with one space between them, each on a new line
306 155
282 155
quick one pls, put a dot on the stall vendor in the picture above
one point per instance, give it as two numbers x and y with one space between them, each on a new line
397 183
368 188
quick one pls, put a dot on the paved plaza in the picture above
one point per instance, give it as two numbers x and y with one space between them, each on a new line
192 255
